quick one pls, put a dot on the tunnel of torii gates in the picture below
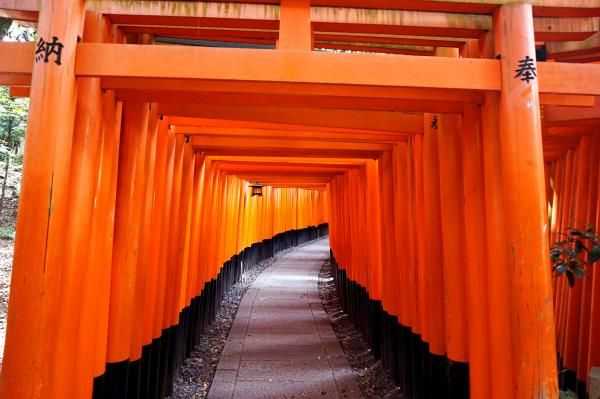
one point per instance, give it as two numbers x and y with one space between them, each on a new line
423 136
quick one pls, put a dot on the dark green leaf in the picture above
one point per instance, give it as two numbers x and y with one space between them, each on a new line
579 272
578 247
594 254
570 278
560 268
5 24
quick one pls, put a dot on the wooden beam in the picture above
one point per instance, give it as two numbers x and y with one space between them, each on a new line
239 167
12 79
278 88
176 62
19 5
233 125
289 100
222 10
19 91
554 8
450 24
112 60
290 134
556 77
225 142
268 179
291 152
389 39
567 49
346 162
375 48
17 57
567 100
368 120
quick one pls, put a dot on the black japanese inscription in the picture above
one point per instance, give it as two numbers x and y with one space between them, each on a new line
434 122
46 49
526 70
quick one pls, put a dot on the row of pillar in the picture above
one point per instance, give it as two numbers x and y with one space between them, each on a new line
126 236
574 202
449 235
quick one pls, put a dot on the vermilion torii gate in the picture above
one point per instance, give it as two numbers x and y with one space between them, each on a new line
423 149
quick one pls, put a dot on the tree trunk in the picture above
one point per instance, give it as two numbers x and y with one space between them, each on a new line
9 141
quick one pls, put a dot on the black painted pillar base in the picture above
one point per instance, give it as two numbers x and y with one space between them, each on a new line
152 376
419 373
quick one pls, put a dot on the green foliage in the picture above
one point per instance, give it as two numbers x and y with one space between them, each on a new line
579 248
6 233
12 31
5 24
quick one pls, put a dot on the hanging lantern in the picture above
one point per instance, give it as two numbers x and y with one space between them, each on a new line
256 189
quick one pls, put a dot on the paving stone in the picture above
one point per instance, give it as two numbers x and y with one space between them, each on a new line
285 370
287 389
306 316
333 348
223 385
281 344
239 328
281 327
270 351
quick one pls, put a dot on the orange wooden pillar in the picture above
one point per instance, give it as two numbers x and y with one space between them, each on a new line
74 322
500 353
151 334
102 230
373 230
295 31
498 280
576 328
480 368
564 221
160 325
43 211
130 193
594 345
436 319
532 321
585 338
138 371
420 238
453 231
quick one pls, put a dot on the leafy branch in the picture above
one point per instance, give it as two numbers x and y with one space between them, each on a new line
578 249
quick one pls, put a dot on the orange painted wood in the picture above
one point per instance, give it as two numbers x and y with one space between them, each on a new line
144 239
475 252
501 352
77 314
525 209
102 224
39 251
295 30
453 231
432 207
130 193
309 67
156 228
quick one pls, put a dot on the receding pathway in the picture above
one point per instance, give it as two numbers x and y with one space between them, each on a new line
281 344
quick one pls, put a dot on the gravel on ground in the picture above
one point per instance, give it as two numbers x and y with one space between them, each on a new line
373 379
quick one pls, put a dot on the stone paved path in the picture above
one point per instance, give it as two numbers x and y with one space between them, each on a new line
281 344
